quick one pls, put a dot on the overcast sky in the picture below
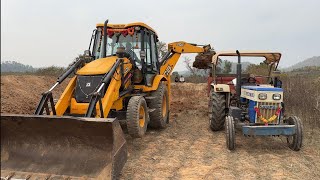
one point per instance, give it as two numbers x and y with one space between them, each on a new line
53 32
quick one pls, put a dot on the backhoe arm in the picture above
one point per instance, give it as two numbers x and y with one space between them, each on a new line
175 50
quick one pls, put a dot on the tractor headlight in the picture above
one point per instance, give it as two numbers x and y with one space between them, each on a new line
276 96
262 96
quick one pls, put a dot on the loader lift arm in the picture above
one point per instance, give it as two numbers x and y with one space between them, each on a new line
47 96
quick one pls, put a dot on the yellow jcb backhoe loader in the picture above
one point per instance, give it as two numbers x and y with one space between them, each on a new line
118 79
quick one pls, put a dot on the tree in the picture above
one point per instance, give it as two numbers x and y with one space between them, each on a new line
187 62
175 73
162 49
258 69
218 66
13 66
227 67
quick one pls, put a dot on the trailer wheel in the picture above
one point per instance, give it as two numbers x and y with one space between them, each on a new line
295 141
137 116
217 112
159 117
230 133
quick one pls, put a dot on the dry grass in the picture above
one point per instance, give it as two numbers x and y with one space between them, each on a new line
302 98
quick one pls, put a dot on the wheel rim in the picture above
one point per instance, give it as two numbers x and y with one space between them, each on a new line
164 106
142 117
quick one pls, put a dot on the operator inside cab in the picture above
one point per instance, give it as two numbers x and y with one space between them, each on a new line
138 43
133 56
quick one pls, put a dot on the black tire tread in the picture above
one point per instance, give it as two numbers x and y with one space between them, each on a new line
156 119
132 115
298 137
217 111
230 133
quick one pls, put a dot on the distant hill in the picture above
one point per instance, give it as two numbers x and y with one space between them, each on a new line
13 66
314 61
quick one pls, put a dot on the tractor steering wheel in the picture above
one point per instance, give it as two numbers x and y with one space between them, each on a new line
252 80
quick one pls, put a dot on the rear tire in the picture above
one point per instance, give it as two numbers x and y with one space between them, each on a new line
295 141
137 116
159 118
218 111
230 133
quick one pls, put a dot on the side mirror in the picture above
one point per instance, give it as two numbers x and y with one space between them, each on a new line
87 53
142 55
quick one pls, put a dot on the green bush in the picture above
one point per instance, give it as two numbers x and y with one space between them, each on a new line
50 71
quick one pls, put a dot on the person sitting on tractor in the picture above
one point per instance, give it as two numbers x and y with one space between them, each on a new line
252 80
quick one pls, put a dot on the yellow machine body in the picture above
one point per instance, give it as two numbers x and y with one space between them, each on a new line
83 138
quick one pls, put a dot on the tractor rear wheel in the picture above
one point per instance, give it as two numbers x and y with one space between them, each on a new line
217 111
230 133
159 117
137 116
295 141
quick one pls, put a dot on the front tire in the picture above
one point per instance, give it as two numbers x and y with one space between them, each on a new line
230 133
159 117
295 141
137 116
217 111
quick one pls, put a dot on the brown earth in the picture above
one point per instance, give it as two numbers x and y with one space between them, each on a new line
188 149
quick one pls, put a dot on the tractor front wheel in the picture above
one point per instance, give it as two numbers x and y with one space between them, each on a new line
295 141
217 111
137 116
230 133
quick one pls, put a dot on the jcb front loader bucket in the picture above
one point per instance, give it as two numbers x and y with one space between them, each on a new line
51 147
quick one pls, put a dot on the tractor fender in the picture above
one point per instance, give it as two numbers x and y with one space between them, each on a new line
222 88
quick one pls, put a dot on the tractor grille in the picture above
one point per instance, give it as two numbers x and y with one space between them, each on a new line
268 109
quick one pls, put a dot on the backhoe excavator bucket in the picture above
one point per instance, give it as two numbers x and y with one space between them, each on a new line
52 147
203 60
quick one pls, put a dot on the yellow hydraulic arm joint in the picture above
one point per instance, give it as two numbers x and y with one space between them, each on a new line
176 49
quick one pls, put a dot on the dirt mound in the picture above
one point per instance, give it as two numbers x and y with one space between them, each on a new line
20 94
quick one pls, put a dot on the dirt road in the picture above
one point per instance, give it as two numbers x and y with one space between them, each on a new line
188 149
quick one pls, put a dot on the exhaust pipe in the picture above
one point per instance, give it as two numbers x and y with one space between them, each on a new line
239 69
105 39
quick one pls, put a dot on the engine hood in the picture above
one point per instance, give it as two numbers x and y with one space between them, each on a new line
262 88
99 66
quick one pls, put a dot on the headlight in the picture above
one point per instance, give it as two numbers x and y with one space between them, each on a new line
262 96
276 96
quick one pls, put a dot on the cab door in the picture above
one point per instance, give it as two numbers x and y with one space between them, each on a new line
151 60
